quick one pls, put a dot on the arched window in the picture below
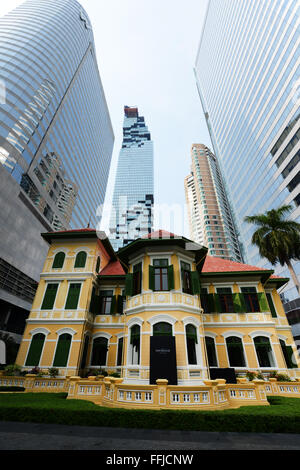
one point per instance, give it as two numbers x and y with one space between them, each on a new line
59 260
235 352
211 351
135 344
35 350
162 329
264 351
191 341
80 259
99 353
98 264
62 350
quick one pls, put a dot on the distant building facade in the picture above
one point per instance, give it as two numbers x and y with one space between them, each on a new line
247 74
133 197
56 140
210 217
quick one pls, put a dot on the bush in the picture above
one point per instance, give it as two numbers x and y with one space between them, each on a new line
12 369
53 372
114 374
250 375
283 416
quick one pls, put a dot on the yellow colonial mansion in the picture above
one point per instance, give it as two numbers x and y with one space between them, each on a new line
157 323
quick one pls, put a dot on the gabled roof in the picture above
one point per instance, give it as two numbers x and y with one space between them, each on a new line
114 268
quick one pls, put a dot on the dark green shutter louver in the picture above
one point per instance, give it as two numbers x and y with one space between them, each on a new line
113 305
211 303
59 260
151 278
98 264
271 305
95 303
49 297
35 350
263 303
217 304
73 296
80 260
129 284
239 303
196 287
120 300
62 350
170 277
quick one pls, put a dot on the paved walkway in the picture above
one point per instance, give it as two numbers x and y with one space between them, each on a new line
33 436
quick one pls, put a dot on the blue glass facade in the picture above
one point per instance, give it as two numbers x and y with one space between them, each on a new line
133 198
54 109
56 137
247 73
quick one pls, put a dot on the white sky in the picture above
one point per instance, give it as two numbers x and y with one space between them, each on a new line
146 51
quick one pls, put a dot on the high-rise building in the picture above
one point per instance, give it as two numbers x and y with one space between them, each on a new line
133 198
56 139
247 73
210 219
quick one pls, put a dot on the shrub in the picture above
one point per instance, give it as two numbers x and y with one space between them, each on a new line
53 372
12 389
114 374
250 375
12 369
283 378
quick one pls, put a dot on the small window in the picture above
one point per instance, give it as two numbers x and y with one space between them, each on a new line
251 299
211 351
98 264
62 350
135 334
186 278
106 301
49 297
161 274
235 352
35 350
99 353
59 260
73 296
264 351
137 279
226 299
191 341
80 259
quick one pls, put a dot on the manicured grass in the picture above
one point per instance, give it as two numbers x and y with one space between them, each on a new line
282 416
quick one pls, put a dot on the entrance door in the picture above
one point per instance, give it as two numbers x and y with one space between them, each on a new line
163 354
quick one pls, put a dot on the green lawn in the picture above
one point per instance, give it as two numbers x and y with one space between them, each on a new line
282 416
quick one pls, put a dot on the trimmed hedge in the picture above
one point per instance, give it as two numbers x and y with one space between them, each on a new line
283 416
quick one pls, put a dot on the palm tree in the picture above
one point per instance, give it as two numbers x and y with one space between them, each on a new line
277 238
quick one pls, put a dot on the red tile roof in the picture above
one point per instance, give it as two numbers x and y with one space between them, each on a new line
114 268
214 265
159 234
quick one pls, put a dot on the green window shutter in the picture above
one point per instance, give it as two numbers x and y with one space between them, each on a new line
191 333
120 300
59 260
73 296
211 303
95 302
35 350
62 350
49 297
151 278
80 260
171 277
113 306
196 287
291 361
217 304
263 303
129 284
271 305
239 303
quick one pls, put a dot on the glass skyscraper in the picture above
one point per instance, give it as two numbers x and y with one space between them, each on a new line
247 73
133 198
56 137
210 218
